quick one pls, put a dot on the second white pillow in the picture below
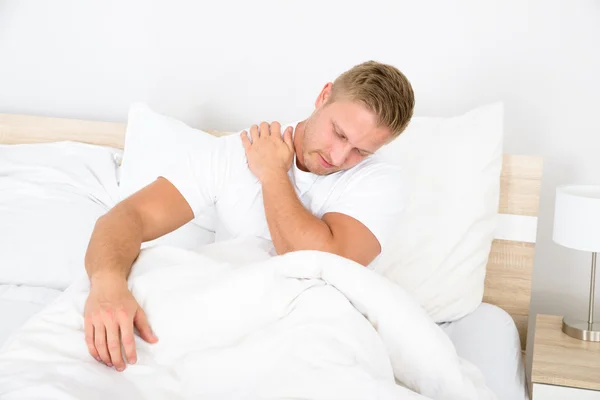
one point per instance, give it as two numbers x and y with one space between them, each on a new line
440 251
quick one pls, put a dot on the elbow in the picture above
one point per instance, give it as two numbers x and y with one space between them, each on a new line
361 259
363 256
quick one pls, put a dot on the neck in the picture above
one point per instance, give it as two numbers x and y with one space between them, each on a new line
298 140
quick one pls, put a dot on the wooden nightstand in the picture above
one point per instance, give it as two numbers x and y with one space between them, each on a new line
563 367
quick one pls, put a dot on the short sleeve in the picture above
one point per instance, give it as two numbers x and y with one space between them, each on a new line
376 196
192 168
160 146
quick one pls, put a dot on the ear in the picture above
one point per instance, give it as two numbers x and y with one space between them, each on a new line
324 95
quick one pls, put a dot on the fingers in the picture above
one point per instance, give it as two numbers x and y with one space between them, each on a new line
100 342
254 133
127 338
245 140
141 323
276 130
265 130
288 139
89 338
114 344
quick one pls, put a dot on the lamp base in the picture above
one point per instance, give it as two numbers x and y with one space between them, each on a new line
581 329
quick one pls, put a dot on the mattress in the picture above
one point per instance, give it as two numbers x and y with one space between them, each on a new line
489 339
19 303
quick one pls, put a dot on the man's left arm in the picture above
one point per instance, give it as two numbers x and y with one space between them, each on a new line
293 227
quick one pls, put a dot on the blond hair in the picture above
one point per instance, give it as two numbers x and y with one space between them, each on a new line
382 88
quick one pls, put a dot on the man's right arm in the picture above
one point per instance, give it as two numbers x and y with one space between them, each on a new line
150 213
111 312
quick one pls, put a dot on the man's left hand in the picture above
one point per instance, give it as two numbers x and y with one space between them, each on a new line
267 152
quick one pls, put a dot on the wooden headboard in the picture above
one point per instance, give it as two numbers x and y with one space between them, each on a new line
510 265
509 270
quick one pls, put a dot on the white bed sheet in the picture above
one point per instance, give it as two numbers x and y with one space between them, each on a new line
489 339
19 303
261 307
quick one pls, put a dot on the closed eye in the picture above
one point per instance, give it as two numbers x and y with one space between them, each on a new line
337 132
362 153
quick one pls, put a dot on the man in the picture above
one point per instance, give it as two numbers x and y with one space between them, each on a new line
316 186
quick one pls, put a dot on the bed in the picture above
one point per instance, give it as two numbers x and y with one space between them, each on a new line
509 269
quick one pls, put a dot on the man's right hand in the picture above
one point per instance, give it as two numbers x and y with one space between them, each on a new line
110 314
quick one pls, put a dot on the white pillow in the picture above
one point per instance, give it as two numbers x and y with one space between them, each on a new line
50 198
152 141
440 250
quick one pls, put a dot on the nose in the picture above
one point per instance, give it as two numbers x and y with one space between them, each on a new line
339 153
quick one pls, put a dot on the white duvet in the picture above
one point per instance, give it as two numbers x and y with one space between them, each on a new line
235 324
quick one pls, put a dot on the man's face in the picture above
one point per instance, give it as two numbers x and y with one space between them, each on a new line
339 134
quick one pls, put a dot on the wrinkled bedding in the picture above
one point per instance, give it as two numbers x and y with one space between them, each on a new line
234 323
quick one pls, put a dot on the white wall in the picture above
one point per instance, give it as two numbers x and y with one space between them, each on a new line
560 110
232 63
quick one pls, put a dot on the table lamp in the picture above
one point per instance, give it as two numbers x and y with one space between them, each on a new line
577 226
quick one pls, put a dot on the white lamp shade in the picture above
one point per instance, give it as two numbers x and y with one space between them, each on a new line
577 217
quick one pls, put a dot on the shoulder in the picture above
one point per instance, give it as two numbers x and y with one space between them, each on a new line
374 183
376 172
229 161
230 150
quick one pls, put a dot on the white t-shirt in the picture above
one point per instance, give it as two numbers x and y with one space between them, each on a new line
373 192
